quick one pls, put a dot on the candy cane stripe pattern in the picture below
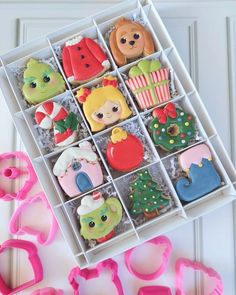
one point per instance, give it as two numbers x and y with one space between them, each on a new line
50 114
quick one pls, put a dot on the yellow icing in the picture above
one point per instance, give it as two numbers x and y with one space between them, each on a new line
118 134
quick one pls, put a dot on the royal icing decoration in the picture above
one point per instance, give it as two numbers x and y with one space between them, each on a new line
149 83
172 128
83 60
130 40
105 105
52 115
78 170
125 151
202 175
99 217
146 197
41 82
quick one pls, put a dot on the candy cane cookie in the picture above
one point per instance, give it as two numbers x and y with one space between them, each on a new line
52 115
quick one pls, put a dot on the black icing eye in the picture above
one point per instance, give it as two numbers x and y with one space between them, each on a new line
33 85
46 79
115 109
136 36
91 224
104 218
123 40
99 115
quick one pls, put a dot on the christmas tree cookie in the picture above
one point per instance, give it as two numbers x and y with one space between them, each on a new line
41 82
146 197
171 128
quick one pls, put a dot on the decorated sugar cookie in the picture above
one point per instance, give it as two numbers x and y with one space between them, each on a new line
172 128
202 175
105 105
78 169
83 60
149 83
41 82
125 151
52 115
130 40
146 197
99 217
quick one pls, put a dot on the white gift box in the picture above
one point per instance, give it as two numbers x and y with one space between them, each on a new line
130 232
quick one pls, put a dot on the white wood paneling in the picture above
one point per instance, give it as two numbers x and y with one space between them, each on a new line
203 47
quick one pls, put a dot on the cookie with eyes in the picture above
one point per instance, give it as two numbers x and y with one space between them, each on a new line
130 40
99 217
105 105
41 82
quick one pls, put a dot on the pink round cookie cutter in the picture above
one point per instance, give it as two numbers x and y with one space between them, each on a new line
48 291
88 274
34 260
14 227
161 240
13 172
182 263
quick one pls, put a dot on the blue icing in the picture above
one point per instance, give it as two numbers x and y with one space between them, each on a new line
179 119
204 180
189 133
83 182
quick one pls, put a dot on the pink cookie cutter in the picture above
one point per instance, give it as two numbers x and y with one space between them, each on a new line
88 274
34 260
48 291
40 236
154 290
182 263
165 258
12 173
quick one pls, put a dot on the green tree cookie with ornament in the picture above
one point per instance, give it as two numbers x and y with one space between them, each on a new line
146 197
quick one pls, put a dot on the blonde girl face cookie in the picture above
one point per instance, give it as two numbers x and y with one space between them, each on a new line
105 105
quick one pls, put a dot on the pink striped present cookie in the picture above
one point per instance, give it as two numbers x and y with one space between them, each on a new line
149 83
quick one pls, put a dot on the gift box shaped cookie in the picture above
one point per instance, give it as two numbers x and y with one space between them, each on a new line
202 175
78 169
149 83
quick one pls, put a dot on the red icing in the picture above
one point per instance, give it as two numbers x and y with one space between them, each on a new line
158 132
182 135
39 117
62 114
83 60
59 137
163 113
48 107
190 117
126 154
107 237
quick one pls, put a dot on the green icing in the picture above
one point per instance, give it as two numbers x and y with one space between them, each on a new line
112 209
175 133
145 195
41 82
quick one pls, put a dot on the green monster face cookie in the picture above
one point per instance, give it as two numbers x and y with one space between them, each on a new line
172 128
41 82
99 217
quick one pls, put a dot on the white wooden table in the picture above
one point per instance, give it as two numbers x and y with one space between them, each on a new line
205 35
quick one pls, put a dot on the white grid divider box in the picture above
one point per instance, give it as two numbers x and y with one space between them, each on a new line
133 234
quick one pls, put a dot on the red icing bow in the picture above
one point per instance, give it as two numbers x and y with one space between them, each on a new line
96 195
163 113
112 81
82 94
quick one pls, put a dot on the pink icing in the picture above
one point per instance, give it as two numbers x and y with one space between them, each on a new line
194 155
67 179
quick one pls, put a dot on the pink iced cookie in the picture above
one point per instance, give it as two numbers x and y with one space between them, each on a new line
78 170
194 156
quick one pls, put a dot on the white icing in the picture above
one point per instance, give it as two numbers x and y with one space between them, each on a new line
74 41
106 64
88 204
71 153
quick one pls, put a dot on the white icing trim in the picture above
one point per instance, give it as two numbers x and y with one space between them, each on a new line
106 64
74 41
71 79
69 140
88 204
71 153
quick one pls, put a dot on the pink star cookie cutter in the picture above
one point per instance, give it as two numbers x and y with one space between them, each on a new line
183 263
154 290
34 260
48 291
12 172
88 274
165 258
14 227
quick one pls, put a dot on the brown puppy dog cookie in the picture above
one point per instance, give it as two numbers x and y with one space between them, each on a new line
130 40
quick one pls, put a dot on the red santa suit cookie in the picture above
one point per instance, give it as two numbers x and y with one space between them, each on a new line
125 151
83 60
